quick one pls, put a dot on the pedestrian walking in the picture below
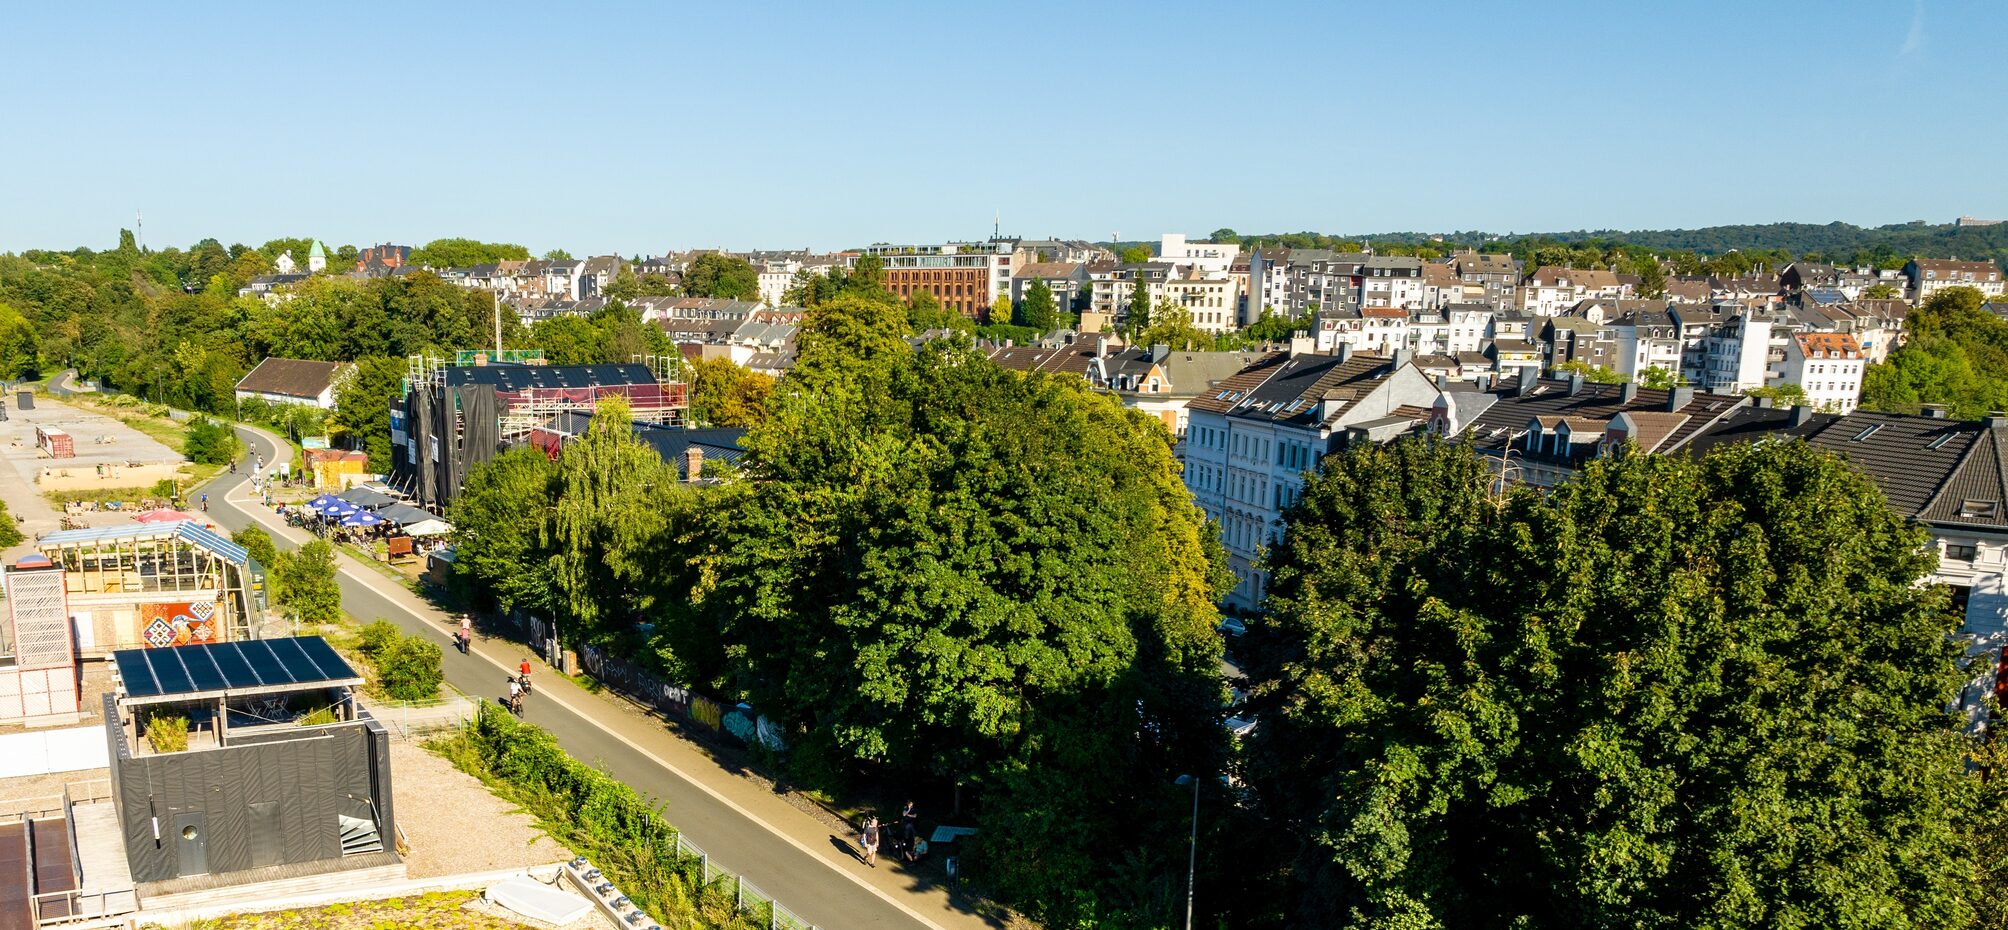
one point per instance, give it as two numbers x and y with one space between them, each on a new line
869 840
909 830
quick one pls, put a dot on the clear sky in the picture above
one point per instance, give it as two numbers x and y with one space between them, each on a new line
648 126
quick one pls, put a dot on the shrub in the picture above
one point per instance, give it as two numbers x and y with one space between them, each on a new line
315 718
600 817
209 442
376 636
408 669
167 733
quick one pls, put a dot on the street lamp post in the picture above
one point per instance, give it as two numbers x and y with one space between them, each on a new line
1192 859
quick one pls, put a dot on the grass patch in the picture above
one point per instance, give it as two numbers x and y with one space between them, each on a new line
440 909
151 419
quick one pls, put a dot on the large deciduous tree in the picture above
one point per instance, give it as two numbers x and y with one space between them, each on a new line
1674 693
713 274
723 393
1038 310
612 500
498 524
362 407
943 569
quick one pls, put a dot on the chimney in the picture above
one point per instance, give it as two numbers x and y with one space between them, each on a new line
1529 379
1301 344
1402 356
1442 382
693 463
1160 352
1484 381
1678 398
1764 403
1575 383
1801 414
1628 393
1345 351
1935 411
1997 420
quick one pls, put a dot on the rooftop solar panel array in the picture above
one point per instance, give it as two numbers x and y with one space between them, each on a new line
212 667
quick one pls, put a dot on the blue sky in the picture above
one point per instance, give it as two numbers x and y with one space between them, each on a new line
645 127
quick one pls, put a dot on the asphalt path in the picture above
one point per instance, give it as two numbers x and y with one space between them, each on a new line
815 888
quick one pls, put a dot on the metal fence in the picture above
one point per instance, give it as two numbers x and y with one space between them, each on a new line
408 720
746 896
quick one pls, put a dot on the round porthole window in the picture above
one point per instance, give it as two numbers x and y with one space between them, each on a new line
188 832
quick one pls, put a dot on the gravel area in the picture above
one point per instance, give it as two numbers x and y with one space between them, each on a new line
455 825
44 787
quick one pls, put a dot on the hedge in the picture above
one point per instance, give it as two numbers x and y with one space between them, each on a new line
599 817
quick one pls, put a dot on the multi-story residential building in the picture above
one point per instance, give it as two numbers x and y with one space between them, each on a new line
1539 431
1429 332
1383 329
1928 276
1111 294
967 277
1470 327
1069 251
1736 354
1576 339
1272 274
1827 366
1441 286
1487 268
1340 326
1877 325
1329 281
1551 290
1646 339
1212 302
1206 259
1249 442
1161 381
1391 281
1067 280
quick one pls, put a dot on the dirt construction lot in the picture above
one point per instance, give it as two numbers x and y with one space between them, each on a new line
455 825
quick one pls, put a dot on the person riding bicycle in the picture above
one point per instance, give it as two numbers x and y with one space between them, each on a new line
515 698
523 671
466 634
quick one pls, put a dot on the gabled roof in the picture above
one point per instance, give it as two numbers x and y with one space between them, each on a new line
291 377
1927 468
1290 389
1049 270
1510 414
188 530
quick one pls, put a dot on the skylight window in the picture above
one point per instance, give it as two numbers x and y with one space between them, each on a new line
1942 439
1972 508
1864 434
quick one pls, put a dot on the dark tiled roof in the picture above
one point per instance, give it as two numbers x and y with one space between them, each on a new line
1283 388
291 377
1928 468
1499 423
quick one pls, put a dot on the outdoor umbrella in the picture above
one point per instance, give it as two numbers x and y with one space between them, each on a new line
340 508
325 501
164 515
362 518
434 527
364 497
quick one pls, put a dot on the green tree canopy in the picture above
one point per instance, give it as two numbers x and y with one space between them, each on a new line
1955 354
943 568
612 501
714 274
1673 693
308 579
498 523
461 253
362 407
1038 310
725 394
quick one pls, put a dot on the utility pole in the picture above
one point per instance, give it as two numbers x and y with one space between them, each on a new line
498 325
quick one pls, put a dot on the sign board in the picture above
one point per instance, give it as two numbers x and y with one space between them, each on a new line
313 442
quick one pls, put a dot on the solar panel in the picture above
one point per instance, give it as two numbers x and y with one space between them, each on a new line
207 668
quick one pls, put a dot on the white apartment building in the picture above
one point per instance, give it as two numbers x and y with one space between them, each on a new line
1214 303
1551 290
1207 259
1928 276
1249 442
1469 330
1392 281
1827 366
1646 340
1737 354
1383 329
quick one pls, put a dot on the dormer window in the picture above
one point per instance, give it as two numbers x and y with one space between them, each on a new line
1979 509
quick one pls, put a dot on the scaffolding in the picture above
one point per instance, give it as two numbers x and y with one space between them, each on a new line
525 410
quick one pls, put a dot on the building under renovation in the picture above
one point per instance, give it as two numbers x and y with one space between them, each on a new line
453 417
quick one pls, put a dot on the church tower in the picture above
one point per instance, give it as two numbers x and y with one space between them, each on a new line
317 258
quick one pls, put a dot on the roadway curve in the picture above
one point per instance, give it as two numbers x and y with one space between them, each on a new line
799 863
